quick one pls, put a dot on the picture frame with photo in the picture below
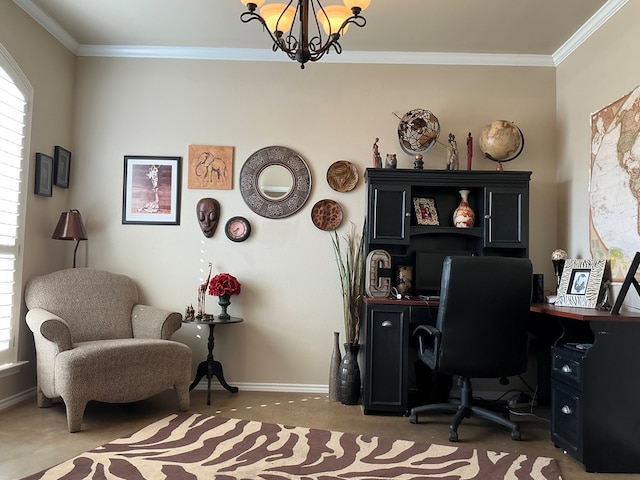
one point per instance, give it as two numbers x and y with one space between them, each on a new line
580 283
44 175
151 190
62 167
426 211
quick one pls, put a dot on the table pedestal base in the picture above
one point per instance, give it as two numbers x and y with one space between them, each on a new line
210 371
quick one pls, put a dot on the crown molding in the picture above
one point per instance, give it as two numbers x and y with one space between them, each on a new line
48 24
267 55
589 28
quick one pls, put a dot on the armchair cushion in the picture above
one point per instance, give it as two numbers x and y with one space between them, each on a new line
95 342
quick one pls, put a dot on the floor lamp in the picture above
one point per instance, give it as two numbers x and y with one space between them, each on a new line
70 227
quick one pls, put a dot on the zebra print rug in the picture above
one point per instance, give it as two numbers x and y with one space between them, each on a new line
195 446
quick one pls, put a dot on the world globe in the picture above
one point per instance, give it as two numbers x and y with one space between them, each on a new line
418 131
501 141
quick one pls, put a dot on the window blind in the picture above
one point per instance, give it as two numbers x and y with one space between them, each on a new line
12 116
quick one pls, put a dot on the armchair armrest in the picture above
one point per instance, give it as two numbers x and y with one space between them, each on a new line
427 350
47 326
152 322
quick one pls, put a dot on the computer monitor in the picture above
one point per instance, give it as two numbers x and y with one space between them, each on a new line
428 270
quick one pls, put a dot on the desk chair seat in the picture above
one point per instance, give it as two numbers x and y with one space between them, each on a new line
480 332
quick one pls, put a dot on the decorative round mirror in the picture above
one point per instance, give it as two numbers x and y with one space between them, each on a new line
275 182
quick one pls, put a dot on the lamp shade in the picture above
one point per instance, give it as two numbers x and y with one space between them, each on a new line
332 17
70 227
278 17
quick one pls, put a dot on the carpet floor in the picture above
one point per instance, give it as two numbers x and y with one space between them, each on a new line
197 446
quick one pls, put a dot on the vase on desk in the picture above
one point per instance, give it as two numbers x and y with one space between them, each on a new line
224 301
464 216
350 375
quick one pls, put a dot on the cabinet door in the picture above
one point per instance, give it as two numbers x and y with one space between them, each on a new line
385 388
506 217
389 216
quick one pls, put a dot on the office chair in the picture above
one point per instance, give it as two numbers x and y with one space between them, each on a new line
480 332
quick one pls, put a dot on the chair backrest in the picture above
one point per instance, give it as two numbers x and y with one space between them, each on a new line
96 304
484 307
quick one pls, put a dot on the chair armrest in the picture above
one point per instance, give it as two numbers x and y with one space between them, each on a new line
152 322
427 350
50 327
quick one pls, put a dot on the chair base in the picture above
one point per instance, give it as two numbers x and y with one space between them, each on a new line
463 410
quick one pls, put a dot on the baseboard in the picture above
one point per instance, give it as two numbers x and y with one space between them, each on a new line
269 387
15 399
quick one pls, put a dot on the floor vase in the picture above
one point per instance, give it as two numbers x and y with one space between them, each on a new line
350 375
334 369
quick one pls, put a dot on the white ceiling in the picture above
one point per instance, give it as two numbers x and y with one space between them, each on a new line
422 30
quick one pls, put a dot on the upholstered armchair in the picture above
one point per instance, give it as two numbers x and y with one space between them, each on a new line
95 342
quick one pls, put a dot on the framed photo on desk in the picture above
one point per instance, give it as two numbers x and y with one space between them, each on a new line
580 283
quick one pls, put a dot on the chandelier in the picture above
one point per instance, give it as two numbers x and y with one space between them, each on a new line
310 45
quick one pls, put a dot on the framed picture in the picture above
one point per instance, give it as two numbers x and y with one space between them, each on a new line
426 211
44 175
62 167
151 190
580 283
210 166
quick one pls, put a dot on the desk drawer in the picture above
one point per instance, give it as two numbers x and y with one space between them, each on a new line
566 366
567 419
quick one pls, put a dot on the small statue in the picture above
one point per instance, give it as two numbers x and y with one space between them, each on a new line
202 293
452 160
377 159
190 313
391 161
418 164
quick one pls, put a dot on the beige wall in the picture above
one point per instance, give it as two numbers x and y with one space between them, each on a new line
290 299
50 68
602 70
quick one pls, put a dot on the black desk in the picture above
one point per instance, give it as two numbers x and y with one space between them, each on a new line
210 367
595 389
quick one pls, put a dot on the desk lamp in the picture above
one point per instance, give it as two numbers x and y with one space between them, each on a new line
70 227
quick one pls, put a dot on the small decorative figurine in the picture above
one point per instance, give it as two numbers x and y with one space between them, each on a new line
190 313
202 294
391 161
377 159
452 160
418 164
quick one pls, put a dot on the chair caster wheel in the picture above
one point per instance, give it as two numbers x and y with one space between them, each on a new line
413 418
515 435
453 436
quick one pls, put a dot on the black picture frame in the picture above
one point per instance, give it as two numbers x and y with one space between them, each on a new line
62 167
151 190
629 279
44 175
